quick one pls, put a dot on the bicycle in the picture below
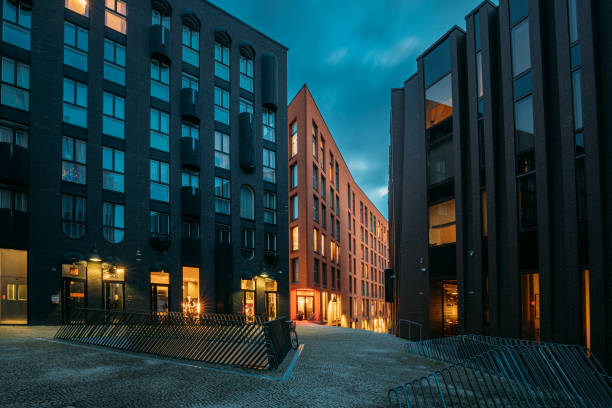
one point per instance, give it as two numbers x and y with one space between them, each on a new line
293 337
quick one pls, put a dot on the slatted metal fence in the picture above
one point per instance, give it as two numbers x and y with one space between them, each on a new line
232 340
498 372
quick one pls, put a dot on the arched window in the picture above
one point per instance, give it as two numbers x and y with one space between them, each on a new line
247 203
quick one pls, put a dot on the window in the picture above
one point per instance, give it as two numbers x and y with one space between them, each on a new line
113 226
160 130
523 117
442 228
15 84
269 207
521 58
269 166
223 234
295 238
222 196
316 271
294 176
75 103
269 120
315 142
113 115
78 6
114 62
573 20
247 203
247 245
160 224
518 9
294 139
189 81
191 46
246 73
190 179
437 63
16 23
115 16
337 181
222 150
10 200
74 160
13 136
160 80
269 242
160 181
440 161
246 106
74 210
75 46
222 106
190 130
161 19
295 270
113 165
439 101
294 208
222 61
190 228
315 178
577 92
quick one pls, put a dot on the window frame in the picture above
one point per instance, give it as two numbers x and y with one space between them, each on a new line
23 90
75 47
114 66
157 131
114 171
17 26
73 103
158 180
222 60
246 66
222 105
71 162
73 221
269 165
117 116
225 188
117 14
191 48
116 226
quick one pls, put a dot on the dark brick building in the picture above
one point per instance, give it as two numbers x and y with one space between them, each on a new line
142 158
501 176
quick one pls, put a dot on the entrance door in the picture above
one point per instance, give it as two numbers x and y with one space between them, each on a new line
73 296
160 298
248 304
113 296
305 307
271 309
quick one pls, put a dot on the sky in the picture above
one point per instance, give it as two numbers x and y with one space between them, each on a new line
351 53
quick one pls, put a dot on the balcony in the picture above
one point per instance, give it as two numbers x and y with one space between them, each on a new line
190 201
14 163
16 227
160 40
190 105
161 242
190 153
191 251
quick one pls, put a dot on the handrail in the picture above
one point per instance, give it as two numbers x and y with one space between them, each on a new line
410 324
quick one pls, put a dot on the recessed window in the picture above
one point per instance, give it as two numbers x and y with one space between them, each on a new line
160 130
527 201
524 128
269 125
113 117
315 240
74 216
295 238
521 57
246 73
16 23
223 233
75 103
190 130
437 63
442 223
222 150
246 106
160 224
190 81
159 18
440 162
14 136
247 244
191 228
247 203
113 225
76 41
78 6
190 179
295 270
113 169
160 181
160 80
115 16
315 209
479 74
315 142
114 62
222 113
294 176
222 61
270 242
15 84
16 201
294 139
222 196
269 166
74 160
324 187
315 178
191 46
294 208
269 205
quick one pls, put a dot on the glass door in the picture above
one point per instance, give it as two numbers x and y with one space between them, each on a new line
160 295
305 307
114 296
271 305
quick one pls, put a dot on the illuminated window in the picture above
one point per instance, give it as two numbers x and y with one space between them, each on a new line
113 165
75 103
245 106
75 46
442 228
160 130
222 150
74 216
160 181
222 61
74 160
14 281
78 6
294 139
295 238
191 46
322 245
248 298
189 81
246 73
113 110
113 225
15 84
191 291
16 23
530 306
222 112
115 15
483 209
160 80
439 101
315 239
222 196
247 247
114 62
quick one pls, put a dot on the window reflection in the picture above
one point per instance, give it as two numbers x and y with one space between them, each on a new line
521 58
439 101
13 287
442 228
440 161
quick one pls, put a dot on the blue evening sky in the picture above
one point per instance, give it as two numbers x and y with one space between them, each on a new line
351 53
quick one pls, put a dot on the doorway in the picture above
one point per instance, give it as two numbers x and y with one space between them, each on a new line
113 296
248 298
160 292
305 307
74 288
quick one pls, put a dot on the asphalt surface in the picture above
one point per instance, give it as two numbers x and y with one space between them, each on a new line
337 367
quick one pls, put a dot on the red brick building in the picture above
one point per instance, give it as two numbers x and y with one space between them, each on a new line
338 247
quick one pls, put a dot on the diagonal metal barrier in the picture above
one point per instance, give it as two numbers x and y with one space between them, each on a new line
212 338
499 372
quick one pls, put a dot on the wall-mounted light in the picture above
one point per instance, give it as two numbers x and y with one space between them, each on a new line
95 255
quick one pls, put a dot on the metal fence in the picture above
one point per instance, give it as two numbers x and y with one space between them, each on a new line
413 328
212 338
498 372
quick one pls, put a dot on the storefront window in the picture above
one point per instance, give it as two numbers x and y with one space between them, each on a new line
13 286
191 291
530 306
160 292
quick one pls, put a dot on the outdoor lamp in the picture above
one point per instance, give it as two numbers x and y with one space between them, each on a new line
95 255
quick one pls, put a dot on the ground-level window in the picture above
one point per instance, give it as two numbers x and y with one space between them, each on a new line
13 286
191 291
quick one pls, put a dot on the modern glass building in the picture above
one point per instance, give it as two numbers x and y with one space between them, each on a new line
118 118
501 179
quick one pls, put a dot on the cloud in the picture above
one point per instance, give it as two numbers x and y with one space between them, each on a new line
390 57
337 56
379 192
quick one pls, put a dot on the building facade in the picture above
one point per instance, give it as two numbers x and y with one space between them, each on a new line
501 179
139 160
337 237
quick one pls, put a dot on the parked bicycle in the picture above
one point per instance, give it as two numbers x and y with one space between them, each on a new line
293 337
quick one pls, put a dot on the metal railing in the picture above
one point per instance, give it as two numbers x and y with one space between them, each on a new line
498 372
410 324
212 338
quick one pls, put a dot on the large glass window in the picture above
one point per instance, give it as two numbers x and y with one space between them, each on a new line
479 74
246 73
160 224
75 103
190 178
439 101
78 6
222 61
437 63
247 244
190 81
160 181
222 150
15 84
573 20
222 106
160 80
74 216
269 125
75 46
246 106
191 46
222 196
113 115
113 225
114 62
269 166
442 227
440 161
521 57
295 238
115 16
113 165
530 306
74 160
13 286
523 117
16 23
269 205
158 18
294 139
247 203
191 291
160 130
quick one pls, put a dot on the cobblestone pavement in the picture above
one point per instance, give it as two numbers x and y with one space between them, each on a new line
338 368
